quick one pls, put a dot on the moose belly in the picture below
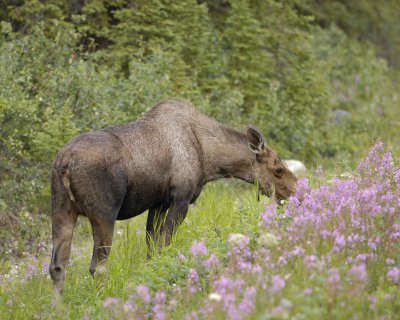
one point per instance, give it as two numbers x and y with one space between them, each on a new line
138 201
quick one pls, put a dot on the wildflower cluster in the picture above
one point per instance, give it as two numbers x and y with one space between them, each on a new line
140 305
331 250
32 267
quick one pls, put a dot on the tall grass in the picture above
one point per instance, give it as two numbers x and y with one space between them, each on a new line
220 210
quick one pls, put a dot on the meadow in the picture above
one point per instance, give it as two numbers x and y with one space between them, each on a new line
319 78
330 252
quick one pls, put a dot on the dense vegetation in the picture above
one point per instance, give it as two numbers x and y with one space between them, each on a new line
319 78
331 252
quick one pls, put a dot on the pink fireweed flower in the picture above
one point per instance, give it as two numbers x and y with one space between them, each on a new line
394 232
228 289
159 306
127 307
325 234
32 269
211 263
302 187
239 251
277 310
193 281
389 262
366 165
358 272
394 275
386 164
310 262
144 293
282 261
269 216
277 284
340 243
333 279
307 291
199 249
298 251
181 256
247 305
223 285
45 266
397 177
192 316
111 302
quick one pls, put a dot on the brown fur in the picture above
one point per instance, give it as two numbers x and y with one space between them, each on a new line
159 162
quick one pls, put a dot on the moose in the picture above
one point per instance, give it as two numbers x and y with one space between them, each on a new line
158 163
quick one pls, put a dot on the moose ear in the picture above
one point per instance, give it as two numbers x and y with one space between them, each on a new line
255 139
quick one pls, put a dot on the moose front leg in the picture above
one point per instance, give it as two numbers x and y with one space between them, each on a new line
155 219
174 218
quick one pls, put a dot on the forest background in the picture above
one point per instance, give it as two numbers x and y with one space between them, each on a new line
320 78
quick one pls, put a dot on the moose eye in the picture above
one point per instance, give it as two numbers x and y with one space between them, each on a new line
279 172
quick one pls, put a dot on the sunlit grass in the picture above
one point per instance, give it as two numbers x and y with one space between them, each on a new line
220 210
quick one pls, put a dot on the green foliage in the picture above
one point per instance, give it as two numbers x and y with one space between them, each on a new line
55 131
361 84
208 220
367 20
299 117
71 66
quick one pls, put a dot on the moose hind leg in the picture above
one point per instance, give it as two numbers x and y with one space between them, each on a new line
103 230
63 224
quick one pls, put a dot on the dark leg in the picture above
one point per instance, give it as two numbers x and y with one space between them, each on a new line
155 219
103 230
175 217
63 222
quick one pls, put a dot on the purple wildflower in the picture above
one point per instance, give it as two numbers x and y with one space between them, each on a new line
127 307
144 293
310 262
159 306
277 284
269 216
199 249
281 261
192 316
340 243
181 256
247 305
333 279
389 262
394 275
307 291
277 310
193 281
111 302
45 267
9 302
358 272
211 263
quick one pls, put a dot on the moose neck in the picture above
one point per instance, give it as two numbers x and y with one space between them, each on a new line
226 155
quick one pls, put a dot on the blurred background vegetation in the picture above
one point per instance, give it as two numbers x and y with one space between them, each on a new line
319 77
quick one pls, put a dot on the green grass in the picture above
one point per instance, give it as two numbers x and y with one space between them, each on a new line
220 210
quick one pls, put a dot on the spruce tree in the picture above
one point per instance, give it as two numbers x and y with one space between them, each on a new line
248 61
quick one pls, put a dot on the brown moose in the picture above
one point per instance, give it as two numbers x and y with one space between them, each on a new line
160 162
